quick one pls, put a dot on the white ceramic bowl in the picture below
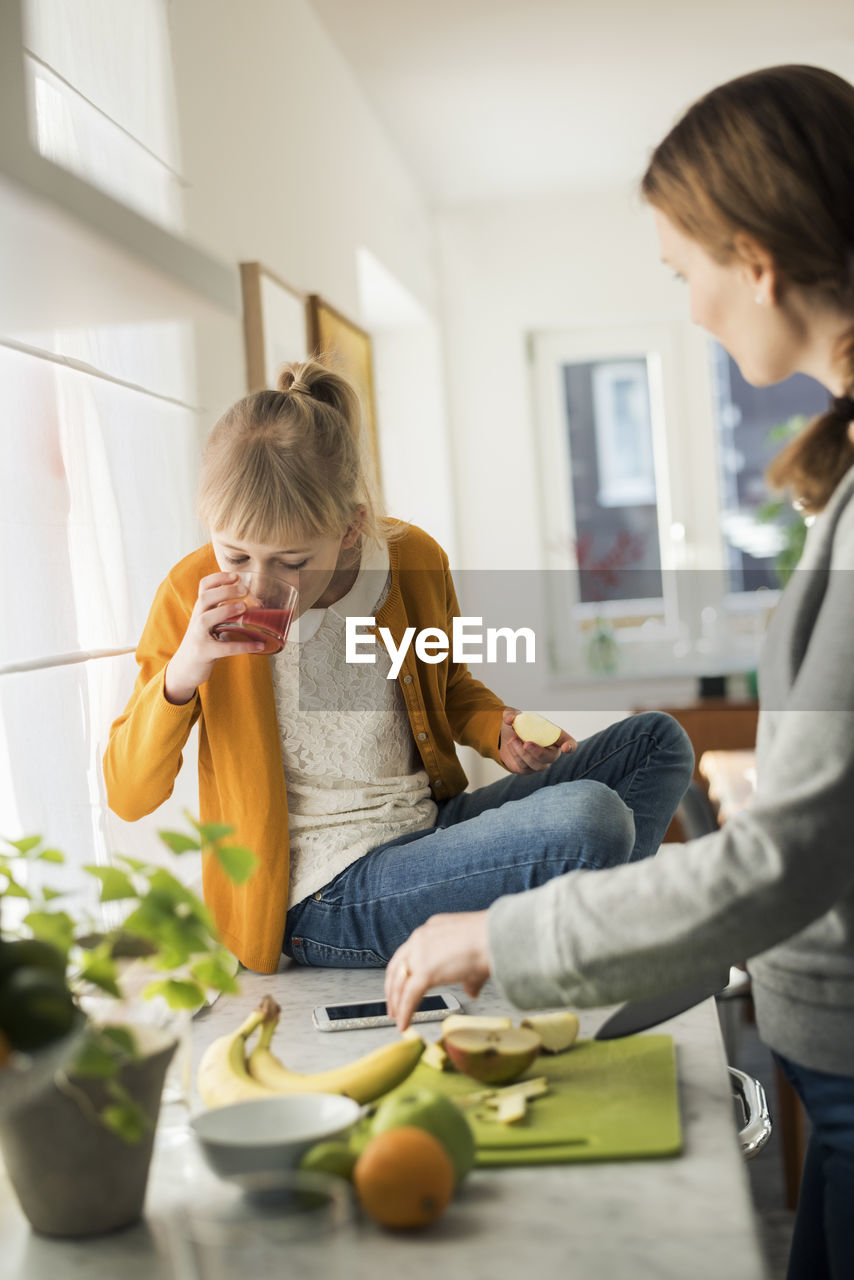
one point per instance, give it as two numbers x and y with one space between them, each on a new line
267 1134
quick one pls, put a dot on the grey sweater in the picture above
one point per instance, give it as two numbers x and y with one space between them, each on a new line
775 886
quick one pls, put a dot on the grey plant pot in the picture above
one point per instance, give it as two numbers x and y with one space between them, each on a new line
72 1175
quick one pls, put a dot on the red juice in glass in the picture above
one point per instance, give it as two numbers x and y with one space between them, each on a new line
270 609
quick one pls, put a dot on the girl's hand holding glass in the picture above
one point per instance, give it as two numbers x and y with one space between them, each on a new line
194 658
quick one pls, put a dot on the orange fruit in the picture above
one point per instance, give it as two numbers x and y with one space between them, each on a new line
404 1178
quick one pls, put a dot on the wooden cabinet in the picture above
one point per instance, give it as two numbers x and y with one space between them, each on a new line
714 724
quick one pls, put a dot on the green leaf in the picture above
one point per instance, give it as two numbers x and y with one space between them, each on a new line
50 894
56 927
211 972
132 864
179 843
177 993
769 510
116 885
168 888
51 855
26 844
126 1118
99 968
156 920
213 831
121 1040
176 901
237 863
791 427
144 922
13 889
94 1059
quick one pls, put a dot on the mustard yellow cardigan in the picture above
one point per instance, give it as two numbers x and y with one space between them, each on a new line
241 779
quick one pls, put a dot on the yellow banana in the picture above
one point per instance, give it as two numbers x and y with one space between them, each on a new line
223 1075
365 1079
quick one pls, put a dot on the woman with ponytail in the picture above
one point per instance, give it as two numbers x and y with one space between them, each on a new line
343 780
753 196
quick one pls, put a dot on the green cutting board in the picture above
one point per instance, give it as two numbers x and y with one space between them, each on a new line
607 1100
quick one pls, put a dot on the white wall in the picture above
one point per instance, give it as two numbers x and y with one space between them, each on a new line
288 165
574 261
582 261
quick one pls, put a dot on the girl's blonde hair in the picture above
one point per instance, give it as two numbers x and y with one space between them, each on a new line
290 462
772 154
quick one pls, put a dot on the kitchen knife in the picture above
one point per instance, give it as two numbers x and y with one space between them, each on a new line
639 1015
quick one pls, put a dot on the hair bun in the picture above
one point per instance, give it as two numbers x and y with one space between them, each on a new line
290 379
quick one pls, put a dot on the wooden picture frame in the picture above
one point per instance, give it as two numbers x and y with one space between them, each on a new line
346 347
275 324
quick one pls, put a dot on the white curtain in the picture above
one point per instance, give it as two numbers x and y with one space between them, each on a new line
98 450
102 98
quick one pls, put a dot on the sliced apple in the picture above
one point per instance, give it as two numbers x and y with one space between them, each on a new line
531 727
558 1031
510 1110
479 1022
526 1089
494 1057
435 1056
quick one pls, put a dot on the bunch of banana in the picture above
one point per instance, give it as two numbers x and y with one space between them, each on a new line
225 1074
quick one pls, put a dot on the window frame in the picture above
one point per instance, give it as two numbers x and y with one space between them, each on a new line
701 627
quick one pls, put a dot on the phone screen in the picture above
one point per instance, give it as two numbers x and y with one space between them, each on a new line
377 1008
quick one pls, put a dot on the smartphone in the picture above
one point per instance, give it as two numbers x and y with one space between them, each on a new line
373 1013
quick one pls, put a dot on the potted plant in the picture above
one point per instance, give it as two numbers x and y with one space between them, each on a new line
79 1098
786 515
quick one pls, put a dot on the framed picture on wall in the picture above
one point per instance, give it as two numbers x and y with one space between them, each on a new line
275 324
347 349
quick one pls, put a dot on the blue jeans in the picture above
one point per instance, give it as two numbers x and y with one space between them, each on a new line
823 1241
607 803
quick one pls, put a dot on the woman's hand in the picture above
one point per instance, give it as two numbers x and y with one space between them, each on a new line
219 598
526 757
448 948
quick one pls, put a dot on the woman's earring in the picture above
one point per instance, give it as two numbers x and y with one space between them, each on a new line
759 300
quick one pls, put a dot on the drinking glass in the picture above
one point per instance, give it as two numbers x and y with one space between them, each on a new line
290 1222
271 605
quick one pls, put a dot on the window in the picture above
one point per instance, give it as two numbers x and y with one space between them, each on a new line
752 425
98 454
609 421
602 403
101 99
653 448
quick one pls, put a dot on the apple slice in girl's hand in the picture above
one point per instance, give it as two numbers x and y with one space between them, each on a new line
531 727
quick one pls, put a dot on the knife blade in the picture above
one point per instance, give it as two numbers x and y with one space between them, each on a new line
639 1015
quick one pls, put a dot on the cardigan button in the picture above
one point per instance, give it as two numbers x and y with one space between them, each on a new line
422 737
407 679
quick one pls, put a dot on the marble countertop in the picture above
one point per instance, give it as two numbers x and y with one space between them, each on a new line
662 1219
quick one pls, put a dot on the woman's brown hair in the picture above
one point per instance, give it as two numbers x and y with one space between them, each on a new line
772 154
291 462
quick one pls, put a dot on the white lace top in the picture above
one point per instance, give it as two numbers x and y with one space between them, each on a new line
353 774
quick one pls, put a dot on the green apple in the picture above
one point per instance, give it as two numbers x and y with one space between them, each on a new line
436 1114
330 1157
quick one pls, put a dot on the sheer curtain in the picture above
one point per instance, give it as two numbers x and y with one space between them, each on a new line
102 100
98 452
